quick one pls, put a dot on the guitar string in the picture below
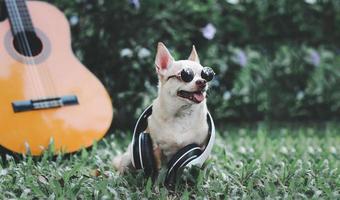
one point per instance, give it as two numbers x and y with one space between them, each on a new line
30 59
30 55
9 6
25 51
27 45
30 75
45 68
48 79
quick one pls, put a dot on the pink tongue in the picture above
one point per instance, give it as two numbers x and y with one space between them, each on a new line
198 97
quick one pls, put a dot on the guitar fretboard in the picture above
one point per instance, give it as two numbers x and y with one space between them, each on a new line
19 17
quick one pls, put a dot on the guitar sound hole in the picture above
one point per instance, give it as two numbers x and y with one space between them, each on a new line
27 44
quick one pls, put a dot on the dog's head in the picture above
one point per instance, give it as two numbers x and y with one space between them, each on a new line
185 81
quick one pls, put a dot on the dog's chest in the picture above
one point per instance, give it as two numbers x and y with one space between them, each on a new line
173 134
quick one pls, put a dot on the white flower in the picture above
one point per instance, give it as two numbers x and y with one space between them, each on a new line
251 150
333 172
226 95
332 149
241 58
325 163
310 150
309 165
318 149
239 164
209 31
318 193
284 150
26 191
299 163
314 58
242 150
126 52
3 172
282 164
233 1
310 1
257 162
135 4
143 53
74 19
300 95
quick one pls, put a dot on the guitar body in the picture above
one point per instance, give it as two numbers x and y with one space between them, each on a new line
68 127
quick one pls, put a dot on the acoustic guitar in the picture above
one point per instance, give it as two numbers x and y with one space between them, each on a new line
46 95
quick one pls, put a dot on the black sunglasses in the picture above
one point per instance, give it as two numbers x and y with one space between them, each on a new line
187 74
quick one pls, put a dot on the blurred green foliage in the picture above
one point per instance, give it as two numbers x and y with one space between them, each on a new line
275 60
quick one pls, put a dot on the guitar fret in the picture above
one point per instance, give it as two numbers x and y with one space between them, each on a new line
19 16
25 14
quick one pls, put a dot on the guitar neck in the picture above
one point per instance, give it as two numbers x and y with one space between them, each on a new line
3 11
19 16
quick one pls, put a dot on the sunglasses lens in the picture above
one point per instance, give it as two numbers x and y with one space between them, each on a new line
207 74
187 75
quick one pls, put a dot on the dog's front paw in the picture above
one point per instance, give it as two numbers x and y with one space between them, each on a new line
121 163
117 164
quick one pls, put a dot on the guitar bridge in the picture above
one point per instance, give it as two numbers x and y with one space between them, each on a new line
48 103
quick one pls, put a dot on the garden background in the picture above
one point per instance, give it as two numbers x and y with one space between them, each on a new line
275 60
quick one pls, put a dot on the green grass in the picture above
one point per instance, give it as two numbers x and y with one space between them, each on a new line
248 163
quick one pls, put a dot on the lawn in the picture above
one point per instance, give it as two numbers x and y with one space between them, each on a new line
256 162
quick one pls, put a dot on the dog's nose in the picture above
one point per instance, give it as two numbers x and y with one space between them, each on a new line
201 83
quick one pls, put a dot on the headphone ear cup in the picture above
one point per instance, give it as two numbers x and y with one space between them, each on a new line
181 159
137 152
148 158
143 157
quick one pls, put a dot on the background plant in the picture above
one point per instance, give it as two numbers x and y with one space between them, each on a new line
276 60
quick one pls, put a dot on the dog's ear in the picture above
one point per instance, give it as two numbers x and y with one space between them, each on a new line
163 58
193 55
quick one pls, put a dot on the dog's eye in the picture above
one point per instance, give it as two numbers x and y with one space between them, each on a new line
187 75
207 74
